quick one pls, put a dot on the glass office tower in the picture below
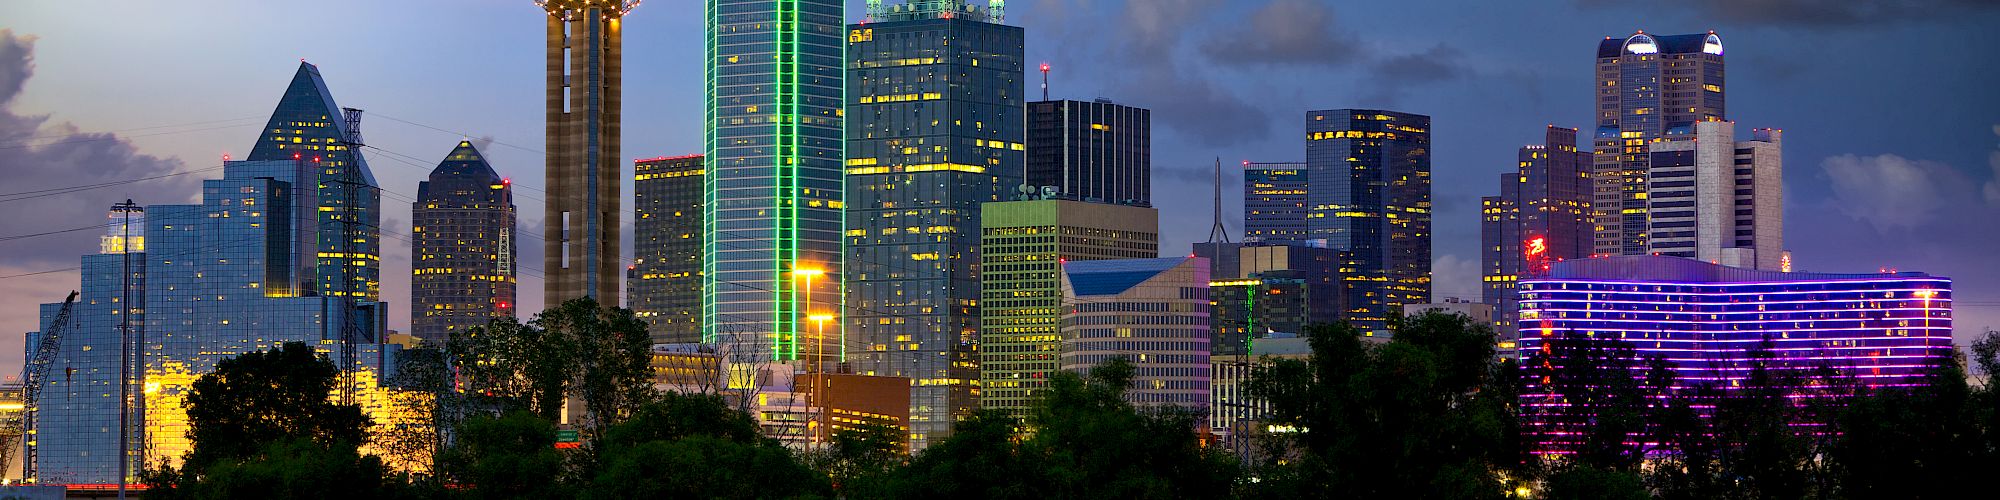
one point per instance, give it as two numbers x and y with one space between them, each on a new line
1649 88
935 132
1370 196
1541 216
1274 203
663 287
462 247
308 126
1096 151
772 214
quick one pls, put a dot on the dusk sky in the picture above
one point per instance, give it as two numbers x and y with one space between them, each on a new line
1892 124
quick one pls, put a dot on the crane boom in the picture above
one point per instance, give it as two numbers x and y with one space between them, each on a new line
32 375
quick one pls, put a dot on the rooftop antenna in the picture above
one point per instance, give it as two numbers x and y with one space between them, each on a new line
1219 233
1045 80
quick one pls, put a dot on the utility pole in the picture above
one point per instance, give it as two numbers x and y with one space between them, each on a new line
127 346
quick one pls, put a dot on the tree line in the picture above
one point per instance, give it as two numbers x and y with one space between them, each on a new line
1429 414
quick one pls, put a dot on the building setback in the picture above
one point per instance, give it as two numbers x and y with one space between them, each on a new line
585 89
772 209
462 247
1542 215
1095 151
1649 88
1715 199
308 126
934 131
1024 246
1150 312
1370 196
663 287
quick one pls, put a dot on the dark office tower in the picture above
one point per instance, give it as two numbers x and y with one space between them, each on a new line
773 200
309 127
585 78
462 254
664 285
1541 216
1650 88
1274 203
934 113
1371 197
1276 289
1092 151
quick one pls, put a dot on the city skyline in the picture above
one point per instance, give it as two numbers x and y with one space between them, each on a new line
1941 167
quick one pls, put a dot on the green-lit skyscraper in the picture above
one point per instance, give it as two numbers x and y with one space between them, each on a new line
773 196
937 130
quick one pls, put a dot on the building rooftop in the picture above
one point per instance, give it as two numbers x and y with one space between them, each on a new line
1113 277
1664 269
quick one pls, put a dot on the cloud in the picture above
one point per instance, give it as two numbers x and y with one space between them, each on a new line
1992 190
1454 276
1825 14
1144 65
1394 74
1284 32
1893 193
22 299
39 155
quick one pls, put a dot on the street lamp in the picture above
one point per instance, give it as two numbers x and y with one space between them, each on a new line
819 381
808 274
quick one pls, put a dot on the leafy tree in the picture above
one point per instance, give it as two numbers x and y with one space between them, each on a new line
579 348
695 446
1584 482
512 456
1426 415
1084 441
261 419
858 459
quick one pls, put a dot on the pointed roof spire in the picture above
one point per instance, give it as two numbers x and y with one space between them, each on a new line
465 161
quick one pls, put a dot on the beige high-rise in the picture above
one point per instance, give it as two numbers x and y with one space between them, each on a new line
582 229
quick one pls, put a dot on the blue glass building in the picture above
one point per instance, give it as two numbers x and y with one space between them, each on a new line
1274 203
225 277
462 246
1370 195
934 95
773 203
308 126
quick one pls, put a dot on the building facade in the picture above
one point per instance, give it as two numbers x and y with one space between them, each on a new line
1542 215
1274 203
463 247
308 126
1097 151
207 282
934 112
584 203
1715 199
773 201
663 287
1650 88
1867 330
1275 289
1150 312
1370 196
1024 246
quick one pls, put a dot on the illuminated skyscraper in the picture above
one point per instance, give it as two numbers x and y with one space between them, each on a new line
463 245
308 126
206 282
1649 88
1541 216
1096 151
664 285
1370 196
773 210
1274 203
1023 246
585 79
936 132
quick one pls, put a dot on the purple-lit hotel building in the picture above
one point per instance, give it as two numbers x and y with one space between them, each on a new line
1881 330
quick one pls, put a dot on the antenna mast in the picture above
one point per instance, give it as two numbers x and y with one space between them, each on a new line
1219 233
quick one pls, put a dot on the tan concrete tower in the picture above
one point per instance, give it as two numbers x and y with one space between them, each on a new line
582 228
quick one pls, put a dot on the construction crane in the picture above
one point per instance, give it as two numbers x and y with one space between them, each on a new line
32 376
